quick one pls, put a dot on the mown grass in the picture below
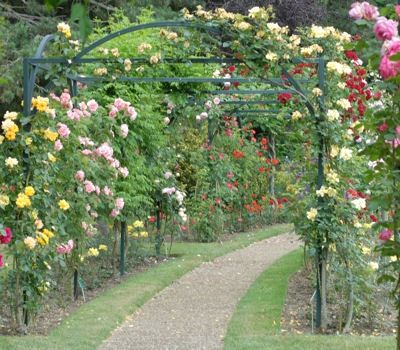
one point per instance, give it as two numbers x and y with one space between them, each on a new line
92 323
256 321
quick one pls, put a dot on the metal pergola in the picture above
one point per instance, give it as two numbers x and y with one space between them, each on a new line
32 65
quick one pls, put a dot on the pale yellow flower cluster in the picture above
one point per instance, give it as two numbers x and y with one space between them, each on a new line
328 191
169 35
312 214
242 25
332 177
11 162
271 56
100 71
64 28
339 68
296 115
144 47
4 200
318 32
310 50
333 115
344 103
43 237
155 58
127 64
260 12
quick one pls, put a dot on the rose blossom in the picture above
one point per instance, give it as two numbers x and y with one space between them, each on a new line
58 146
65 100
107 191
113 112
385 29
65 248
7 237
131 112
363 10
92 105
167 175
120 104
385 234
119 203
97 190
114 213
63 130
388 68
89 187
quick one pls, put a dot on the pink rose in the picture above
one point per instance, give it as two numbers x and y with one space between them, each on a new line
217 101
63 130
167 175
105 151
92 105
230 175
114 213
58 146
131 113
6 236
371 12
388 68
356 11
113 112
65 100
363 10
107 191
86 152
84 225
89 186
398 129
385 29
119 203
385 234
97 190
1 261
65 248
120 104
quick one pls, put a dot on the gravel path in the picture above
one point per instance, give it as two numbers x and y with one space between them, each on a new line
193 313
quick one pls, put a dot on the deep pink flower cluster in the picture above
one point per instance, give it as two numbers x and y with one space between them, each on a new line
5 238
385 30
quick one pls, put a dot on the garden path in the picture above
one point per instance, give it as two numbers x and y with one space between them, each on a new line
194 312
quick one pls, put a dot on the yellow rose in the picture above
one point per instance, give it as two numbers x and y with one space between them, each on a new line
4 200
23 201
29 191
93 252
63 204
103 247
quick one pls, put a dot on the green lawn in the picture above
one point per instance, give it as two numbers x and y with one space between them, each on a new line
256 321
88 326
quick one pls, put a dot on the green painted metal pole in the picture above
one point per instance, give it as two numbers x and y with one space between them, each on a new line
158 223
320 181
122 249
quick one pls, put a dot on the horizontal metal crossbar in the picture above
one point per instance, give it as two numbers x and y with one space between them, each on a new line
247 92
195 60
244 103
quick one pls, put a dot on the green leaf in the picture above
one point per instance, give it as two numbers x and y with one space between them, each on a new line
395 57
79 13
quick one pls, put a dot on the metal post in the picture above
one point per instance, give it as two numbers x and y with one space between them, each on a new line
76 287
122 248
320 180
158 223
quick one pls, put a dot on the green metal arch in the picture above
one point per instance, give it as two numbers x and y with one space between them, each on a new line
135 28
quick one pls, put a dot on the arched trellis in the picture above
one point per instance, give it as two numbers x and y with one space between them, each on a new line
32 65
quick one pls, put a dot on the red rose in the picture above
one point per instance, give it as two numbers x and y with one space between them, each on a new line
1 261
284 97
6 237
